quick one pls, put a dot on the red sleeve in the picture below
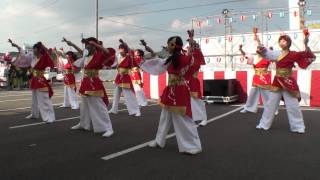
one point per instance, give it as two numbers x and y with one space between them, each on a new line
304 58
198 56
134 63
109 58
46 61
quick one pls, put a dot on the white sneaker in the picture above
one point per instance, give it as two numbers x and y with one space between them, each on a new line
260 127
30 116
76 127
203 123
243 111
193 152
299 131
74 108
108 134
276 113
112 112
154 144
138 114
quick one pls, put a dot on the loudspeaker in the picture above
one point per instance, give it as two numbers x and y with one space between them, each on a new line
219 87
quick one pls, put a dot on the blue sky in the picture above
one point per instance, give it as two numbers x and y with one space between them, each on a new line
29 21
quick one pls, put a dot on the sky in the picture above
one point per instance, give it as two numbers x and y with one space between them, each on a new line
29 21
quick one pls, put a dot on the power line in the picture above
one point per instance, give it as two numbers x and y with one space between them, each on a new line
141 27
174 9
133 5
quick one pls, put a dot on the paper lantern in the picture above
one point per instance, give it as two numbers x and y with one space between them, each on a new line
207 60
309 12
281 14
219 21
269 15
241 59
209 21
199 23
254 17
243 18
269 37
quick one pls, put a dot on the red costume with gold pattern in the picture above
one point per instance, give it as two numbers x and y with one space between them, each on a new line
123 79
262 78
38 81
69 78
91 85
193 81
176 95
136 72
283 79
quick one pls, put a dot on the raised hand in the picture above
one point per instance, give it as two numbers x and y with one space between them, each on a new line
190 33
240 47
143 43
64 39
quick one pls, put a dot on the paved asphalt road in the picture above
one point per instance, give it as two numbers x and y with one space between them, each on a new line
232 147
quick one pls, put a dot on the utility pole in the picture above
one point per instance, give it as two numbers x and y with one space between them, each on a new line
81 35
225 12
97 19
262 24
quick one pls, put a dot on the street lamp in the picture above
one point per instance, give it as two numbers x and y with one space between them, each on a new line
302 3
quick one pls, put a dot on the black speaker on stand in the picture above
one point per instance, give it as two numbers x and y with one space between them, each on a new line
220 90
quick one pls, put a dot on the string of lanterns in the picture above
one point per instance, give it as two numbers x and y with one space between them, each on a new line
220 19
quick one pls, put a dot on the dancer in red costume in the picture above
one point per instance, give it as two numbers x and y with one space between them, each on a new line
70 89
41 89
123 83
261 81
284 84
199 112
175 99
94 100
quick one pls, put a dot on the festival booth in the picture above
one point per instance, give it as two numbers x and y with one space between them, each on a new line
231 65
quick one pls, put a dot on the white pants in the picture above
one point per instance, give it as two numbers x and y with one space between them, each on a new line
253 99
141 98
129 98
43 104
198 108
70 98
94 114
184 127
293 110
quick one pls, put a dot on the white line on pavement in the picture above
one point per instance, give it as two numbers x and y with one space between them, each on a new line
29 91
22 108
12 100
140 146
29 94
59 120
303 108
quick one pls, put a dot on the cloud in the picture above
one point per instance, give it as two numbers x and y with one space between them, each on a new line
179 25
